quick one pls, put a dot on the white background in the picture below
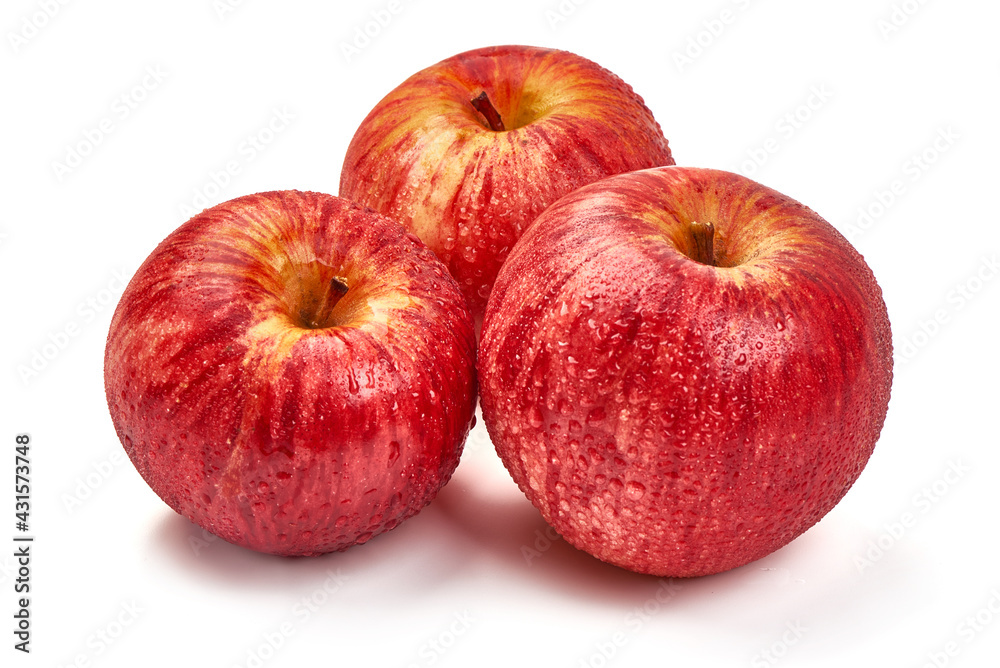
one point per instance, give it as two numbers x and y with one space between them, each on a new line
860 588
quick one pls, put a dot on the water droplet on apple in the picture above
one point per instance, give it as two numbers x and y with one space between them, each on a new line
779 324
759 345
352 383
742 359
535 416
393 452
263 487
596 417
634 490
615 485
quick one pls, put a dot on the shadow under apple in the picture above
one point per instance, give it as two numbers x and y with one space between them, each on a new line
482 528
517 544
387 562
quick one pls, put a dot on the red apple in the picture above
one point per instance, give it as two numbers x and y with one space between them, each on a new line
683 369
292 372
468 152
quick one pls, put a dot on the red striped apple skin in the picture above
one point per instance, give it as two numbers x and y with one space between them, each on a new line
426 157
674 417
274 424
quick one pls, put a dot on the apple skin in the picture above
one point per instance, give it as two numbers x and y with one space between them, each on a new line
266 417
426 157
672 417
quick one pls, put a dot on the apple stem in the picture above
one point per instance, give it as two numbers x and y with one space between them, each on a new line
704 242
338 288
483 105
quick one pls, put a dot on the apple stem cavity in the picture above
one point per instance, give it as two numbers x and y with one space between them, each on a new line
704 243
483 105
321 320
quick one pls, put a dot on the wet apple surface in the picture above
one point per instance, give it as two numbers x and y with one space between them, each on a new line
468 152
683 369
293 372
